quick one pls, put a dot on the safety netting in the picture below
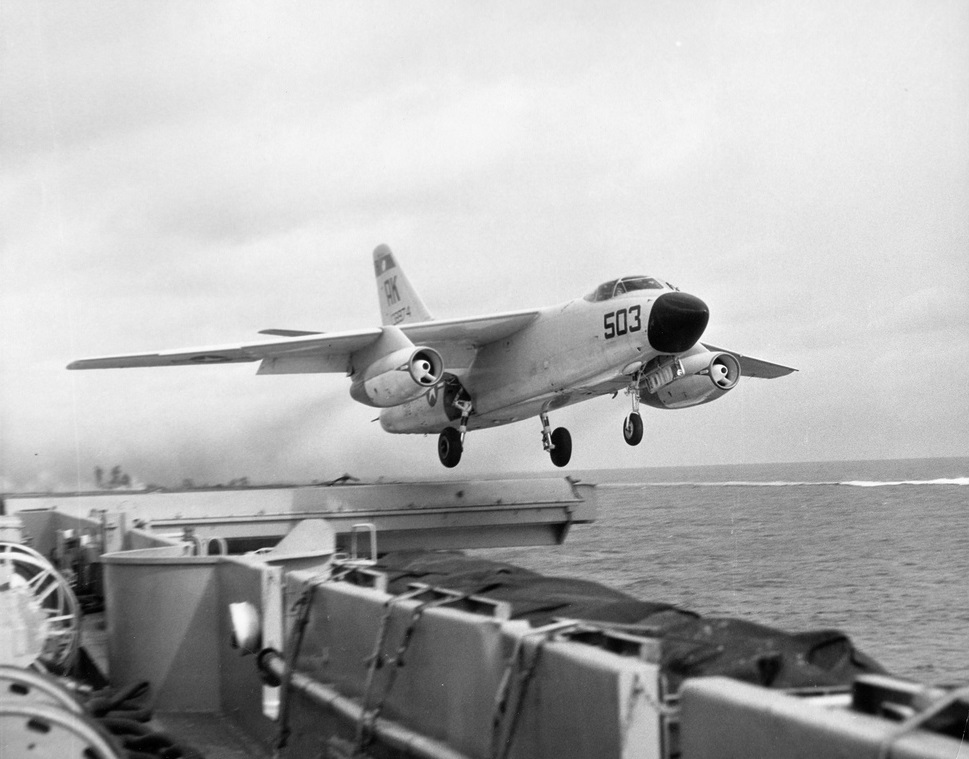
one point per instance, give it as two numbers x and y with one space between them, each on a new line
691 645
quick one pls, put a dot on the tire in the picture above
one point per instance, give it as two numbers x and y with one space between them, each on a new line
632 430
449 447
561 451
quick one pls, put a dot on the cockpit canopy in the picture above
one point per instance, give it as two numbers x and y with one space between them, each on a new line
614 287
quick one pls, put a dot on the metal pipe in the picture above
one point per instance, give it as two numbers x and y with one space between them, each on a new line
391 734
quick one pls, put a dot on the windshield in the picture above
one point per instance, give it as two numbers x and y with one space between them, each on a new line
615 287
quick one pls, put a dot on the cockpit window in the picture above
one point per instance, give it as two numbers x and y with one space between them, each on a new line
615 287
604 291
639 283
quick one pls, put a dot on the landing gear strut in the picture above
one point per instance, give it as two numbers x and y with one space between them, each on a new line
632 428
558 443
450 443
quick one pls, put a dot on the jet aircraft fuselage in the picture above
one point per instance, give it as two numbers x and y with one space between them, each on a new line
566 352
637 333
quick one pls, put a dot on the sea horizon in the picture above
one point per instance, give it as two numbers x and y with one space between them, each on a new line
942 470
932 470
872 548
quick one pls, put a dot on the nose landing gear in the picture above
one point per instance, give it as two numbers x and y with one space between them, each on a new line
632 428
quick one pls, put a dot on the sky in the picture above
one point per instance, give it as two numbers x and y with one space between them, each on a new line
176 174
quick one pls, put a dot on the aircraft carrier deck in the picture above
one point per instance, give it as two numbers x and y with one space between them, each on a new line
342 621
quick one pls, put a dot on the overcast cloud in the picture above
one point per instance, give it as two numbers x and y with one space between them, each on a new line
179 174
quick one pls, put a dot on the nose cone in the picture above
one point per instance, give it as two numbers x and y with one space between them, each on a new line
676 322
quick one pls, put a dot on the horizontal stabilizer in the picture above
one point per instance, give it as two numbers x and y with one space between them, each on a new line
288 332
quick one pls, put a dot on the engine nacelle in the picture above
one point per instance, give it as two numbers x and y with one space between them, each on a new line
428 414
706 377
398 377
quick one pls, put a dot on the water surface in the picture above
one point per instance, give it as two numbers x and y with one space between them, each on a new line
879 550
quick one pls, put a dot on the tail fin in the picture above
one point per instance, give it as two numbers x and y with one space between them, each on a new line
399 301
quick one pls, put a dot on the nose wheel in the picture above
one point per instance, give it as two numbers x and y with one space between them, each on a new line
557 442
632 429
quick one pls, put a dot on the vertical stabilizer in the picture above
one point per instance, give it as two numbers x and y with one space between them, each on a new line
399 301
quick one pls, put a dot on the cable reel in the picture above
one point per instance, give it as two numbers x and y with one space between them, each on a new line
40 617
45 731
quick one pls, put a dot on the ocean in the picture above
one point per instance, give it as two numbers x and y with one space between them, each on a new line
877 549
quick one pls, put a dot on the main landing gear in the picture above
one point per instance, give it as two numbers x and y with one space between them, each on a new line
557 442
449 447
450 443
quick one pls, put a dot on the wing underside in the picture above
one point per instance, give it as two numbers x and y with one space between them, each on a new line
302 352
755 367
331 346
616 382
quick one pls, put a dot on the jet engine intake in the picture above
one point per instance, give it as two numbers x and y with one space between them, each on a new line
399 377
706 377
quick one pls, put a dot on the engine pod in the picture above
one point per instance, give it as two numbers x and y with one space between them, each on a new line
397 378
707 376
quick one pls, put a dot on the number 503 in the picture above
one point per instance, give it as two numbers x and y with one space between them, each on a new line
621 322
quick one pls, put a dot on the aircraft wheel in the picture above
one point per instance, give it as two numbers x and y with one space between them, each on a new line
632 430
449 447
562 446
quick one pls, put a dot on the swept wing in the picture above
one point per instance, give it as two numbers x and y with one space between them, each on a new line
476 331
320 352
332 345
755 367
614 382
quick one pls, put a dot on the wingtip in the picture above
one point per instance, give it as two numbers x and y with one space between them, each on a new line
83 363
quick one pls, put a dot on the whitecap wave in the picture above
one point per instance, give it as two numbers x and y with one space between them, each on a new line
706 484
880 484
788 484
